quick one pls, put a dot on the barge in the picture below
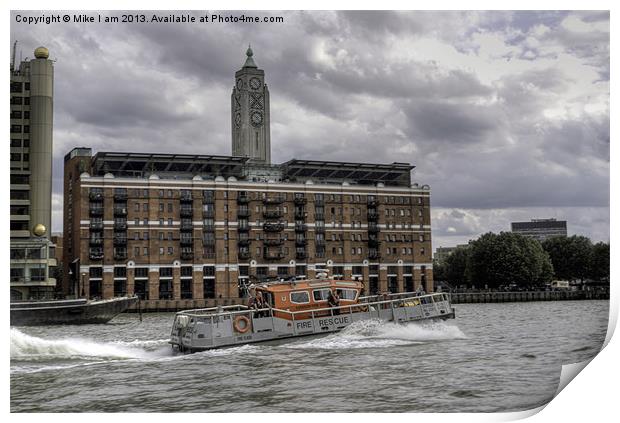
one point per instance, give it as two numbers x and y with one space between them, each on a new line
294 309
68 312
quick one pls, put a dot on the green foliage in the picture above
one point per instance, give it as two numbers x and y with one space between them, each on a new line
600 262
572 257
507 258
456 266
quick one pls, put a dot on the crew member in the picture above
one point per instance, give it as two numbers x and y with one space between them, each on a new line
333 300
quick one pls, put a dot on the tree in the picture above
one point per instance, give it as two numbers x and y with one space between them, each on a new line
571 256
600 262
507 258
456 266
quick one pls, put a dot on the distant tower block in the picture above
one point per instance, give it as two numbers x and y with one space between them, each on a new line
41 119
250 113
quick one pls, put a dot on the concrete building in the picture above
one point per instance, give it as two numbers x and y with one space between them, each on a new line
540 229
189 230
31 108
442 253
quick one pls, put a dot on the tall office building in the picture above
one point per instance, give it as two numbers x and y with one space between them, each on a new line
540 229
186 230
31 108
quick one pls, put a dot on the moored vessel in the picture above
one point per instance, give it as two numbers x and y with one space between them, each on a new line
68 312
291 309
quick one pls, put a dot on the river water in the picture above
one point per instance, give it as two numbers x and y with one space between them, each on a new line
491 358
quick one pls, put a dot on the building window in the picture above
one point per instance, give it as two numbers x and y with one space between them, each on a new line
136 251
170 250
145 250
145 236
161 251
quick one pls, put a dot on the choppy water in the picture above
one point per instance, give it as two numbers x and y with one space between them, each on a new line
492 357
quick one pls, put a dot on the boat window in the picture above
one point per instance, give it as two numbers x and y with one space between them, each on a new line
300 297
268 297
320 294
346 294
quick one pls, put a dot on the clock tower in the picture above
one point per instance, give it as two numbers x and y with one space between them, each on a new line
250 113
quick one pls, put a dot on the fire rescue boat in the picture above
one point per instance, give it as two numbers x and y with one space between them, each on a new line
296 308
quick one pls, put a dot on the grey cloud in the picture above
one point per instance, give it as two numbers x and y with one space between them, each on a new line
485 148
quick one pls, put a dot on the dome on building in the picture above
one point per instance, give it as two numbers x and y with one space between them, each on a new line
232 179
84 175
41 53
108 176
153 176
220 179
309 182
197 178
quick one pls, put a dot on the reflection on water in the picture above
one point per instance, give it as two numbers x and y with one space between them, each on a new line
492 357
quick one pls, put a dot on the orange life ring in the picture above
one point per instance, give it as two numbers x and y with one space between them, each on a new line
238 320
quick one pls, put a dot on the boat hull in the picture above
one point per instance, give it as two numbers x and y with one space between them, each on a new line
289 338
68 312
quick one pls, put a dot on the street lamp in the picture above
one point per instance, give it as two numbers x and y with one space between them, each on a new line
83 276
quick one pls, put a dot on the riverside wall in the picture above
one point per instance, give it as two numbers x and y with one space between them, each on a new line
521 296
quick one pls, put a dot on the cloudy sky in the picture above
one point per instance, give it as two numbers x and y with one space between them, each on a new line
504 114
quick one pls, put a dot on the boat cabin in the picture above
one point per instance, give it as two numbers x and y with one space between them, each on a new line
308 294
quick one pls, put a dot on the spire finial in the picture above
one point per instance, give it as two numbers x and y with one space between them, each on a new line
249 62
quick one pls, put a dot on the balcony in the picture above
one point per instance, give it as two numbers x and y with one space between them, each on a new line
120 226
300 201
300 214
319 242
96 211
273 227
96 226
244 255
95 196
319 216
373 216
187 226
278 199
243 242
95 241
373 243
208 213
120 211
95 254
373 227
300 242
120 255
186 197
186 212
244 228
373 203
120 240
272 214
273 255
187 255
208 242
208 228
273 241
374 255
187 241
319 201
120 196
243 199
301 255
319 229
244 212
300 227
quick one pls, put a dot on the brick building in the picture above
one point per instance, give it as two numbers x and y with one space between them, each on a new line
193 229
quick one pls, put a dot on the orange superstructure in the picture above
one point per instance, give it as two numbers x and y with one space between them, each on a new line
302 295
